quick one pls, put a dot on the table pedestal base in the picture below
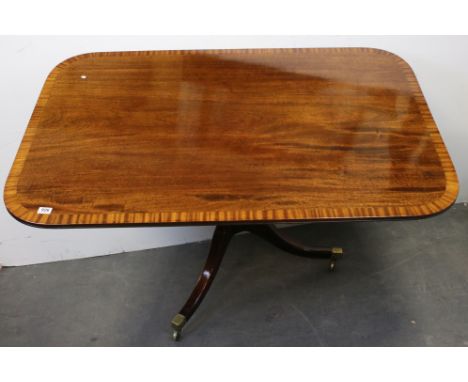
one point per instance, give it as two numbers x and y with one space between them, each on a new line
221 237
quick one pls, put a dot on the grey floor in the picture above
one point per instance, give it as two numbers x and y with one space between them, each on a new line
401 283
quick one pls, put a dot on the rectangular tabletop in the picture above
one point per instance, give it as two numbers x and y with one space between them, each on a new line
262 135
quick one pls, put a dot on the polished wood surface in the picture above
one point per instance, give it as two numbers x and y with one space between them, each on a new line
188 137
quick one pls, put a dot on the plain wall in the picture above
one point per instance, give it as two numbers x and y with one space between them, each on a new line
440 64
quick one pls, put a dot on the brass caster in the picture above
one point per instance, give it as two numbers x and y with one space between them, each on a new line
336 253
176 335
177 324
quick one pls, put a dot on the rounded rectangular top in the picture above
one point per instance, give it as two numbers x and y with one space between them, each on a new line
259 135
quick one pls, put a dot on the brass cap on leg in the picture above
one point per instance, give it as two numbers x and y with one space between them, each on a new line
177 324
178 321
337 251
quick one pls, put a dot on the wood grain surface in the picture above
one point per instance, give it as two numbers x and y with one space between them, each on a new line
192 137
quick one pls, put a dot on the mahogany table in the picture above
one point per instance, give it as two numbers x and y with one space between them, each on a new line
240 139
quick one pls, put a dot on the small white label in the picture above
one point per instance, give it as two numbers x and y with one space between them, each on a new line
44 210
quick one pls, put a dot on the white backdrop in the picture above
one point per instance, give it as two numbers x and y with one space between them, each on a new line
440 64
